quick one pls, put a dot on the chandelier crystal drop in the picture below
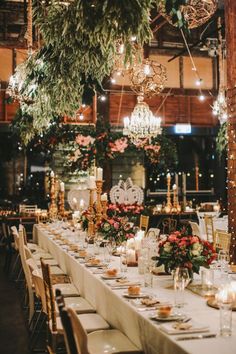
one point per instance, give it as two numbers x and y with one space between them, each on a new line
142 124
220 107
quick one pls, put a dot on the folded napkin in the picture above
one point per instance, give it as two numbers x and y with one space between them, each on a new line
190 327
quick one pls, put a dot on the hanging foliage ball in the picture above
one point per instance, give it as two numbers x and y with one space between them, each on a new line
195 12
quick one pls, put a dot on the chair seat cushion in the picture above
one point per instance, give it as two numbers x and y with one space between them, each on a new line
34 248
51 262
43 255
112 341
67 290
90 322
78 304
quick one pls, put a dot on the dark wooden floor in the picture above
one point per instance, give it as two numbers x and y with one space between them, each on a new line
13 331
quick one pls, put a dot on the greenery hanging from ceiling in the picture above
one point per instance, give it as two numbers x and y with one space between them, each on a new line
80 41
222 139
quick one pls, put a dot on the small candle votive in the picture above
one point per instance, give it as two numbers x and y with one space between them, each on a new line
207 278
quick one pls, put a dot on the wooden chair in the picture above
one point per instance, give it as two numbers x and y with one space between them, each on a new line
90 321
195 228
210 232
222 240
153 232
169 225
99 342
143 222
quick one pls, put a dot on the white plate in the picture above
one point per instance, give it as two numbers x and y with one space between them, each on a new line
170 318
135 296
108 277
95 265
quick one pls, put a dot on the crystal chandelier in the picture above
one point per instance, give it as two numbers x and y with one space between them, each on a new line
219 107
142 124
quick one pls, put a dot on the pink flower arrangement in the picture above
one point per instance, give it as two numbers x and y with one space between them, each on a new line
117 228
119 145
180 250
83 140
124 209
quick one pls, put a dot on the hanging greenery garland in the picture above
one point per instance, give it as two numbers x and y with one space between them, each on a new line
222 139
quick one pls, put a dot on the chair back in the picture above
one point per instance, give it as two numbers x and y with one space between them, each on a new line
210 232
38 282
22 229
65 319
169 225
27 273
153 232
49 295
195 228
143 223
16 237
81 338
222 240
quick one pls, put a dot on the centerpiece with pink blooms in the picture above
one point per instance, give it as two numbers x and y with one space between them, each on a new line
116 228
180 250
83 154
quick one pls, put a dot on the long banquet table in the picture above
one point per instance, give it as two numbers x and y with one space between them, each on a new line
122 314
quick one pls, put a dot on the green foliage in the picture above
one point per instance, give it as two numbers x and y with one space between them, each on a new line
222 139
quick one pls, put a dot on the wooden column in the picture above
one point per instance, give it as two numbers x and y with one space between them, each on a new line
230 25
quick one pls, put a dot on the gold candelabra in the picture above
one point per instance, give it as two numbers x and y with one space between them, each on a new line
168 195
91 216
61 203
104 208
99 209
53 206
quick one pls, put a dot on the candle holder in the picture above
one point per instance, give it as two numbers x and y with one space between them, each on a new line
104 208
61 203
53 206
99 209
168 195
91 216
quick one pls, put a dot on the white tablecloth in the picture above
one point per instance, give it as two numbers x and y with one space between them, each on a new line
123 315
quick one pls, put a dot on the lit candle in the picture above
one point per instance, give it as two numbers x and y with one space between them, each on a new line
74 200
130 243
62 187
91 183
99 174
52 174
104 197
81 203
174 187
168 175
130 256
138 240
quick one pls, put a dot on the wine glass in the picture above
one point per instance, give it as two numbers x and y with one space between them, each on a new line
98 239
181 280
223 261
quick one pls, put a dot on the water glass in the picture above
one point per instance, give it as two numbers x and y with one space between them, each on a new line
223 261
148 276
123 262
225 319
181 280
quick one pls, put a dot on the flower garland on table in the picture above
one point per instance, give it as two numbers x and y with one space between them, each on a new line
180 250
124 210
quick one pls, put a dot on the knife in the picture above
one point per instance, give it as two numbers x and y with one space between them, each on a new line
199 336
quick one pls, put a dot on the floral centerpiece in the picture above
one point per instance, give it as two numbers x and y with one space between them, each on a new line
180 250
117 228
84 218
128 210
83 153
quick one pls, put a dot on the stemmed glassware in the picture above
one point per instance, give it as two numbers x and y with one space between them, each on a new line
181 280
223 261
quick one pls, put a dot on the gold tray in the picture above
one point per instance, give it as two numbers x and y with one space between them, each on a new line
213 303
199 290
